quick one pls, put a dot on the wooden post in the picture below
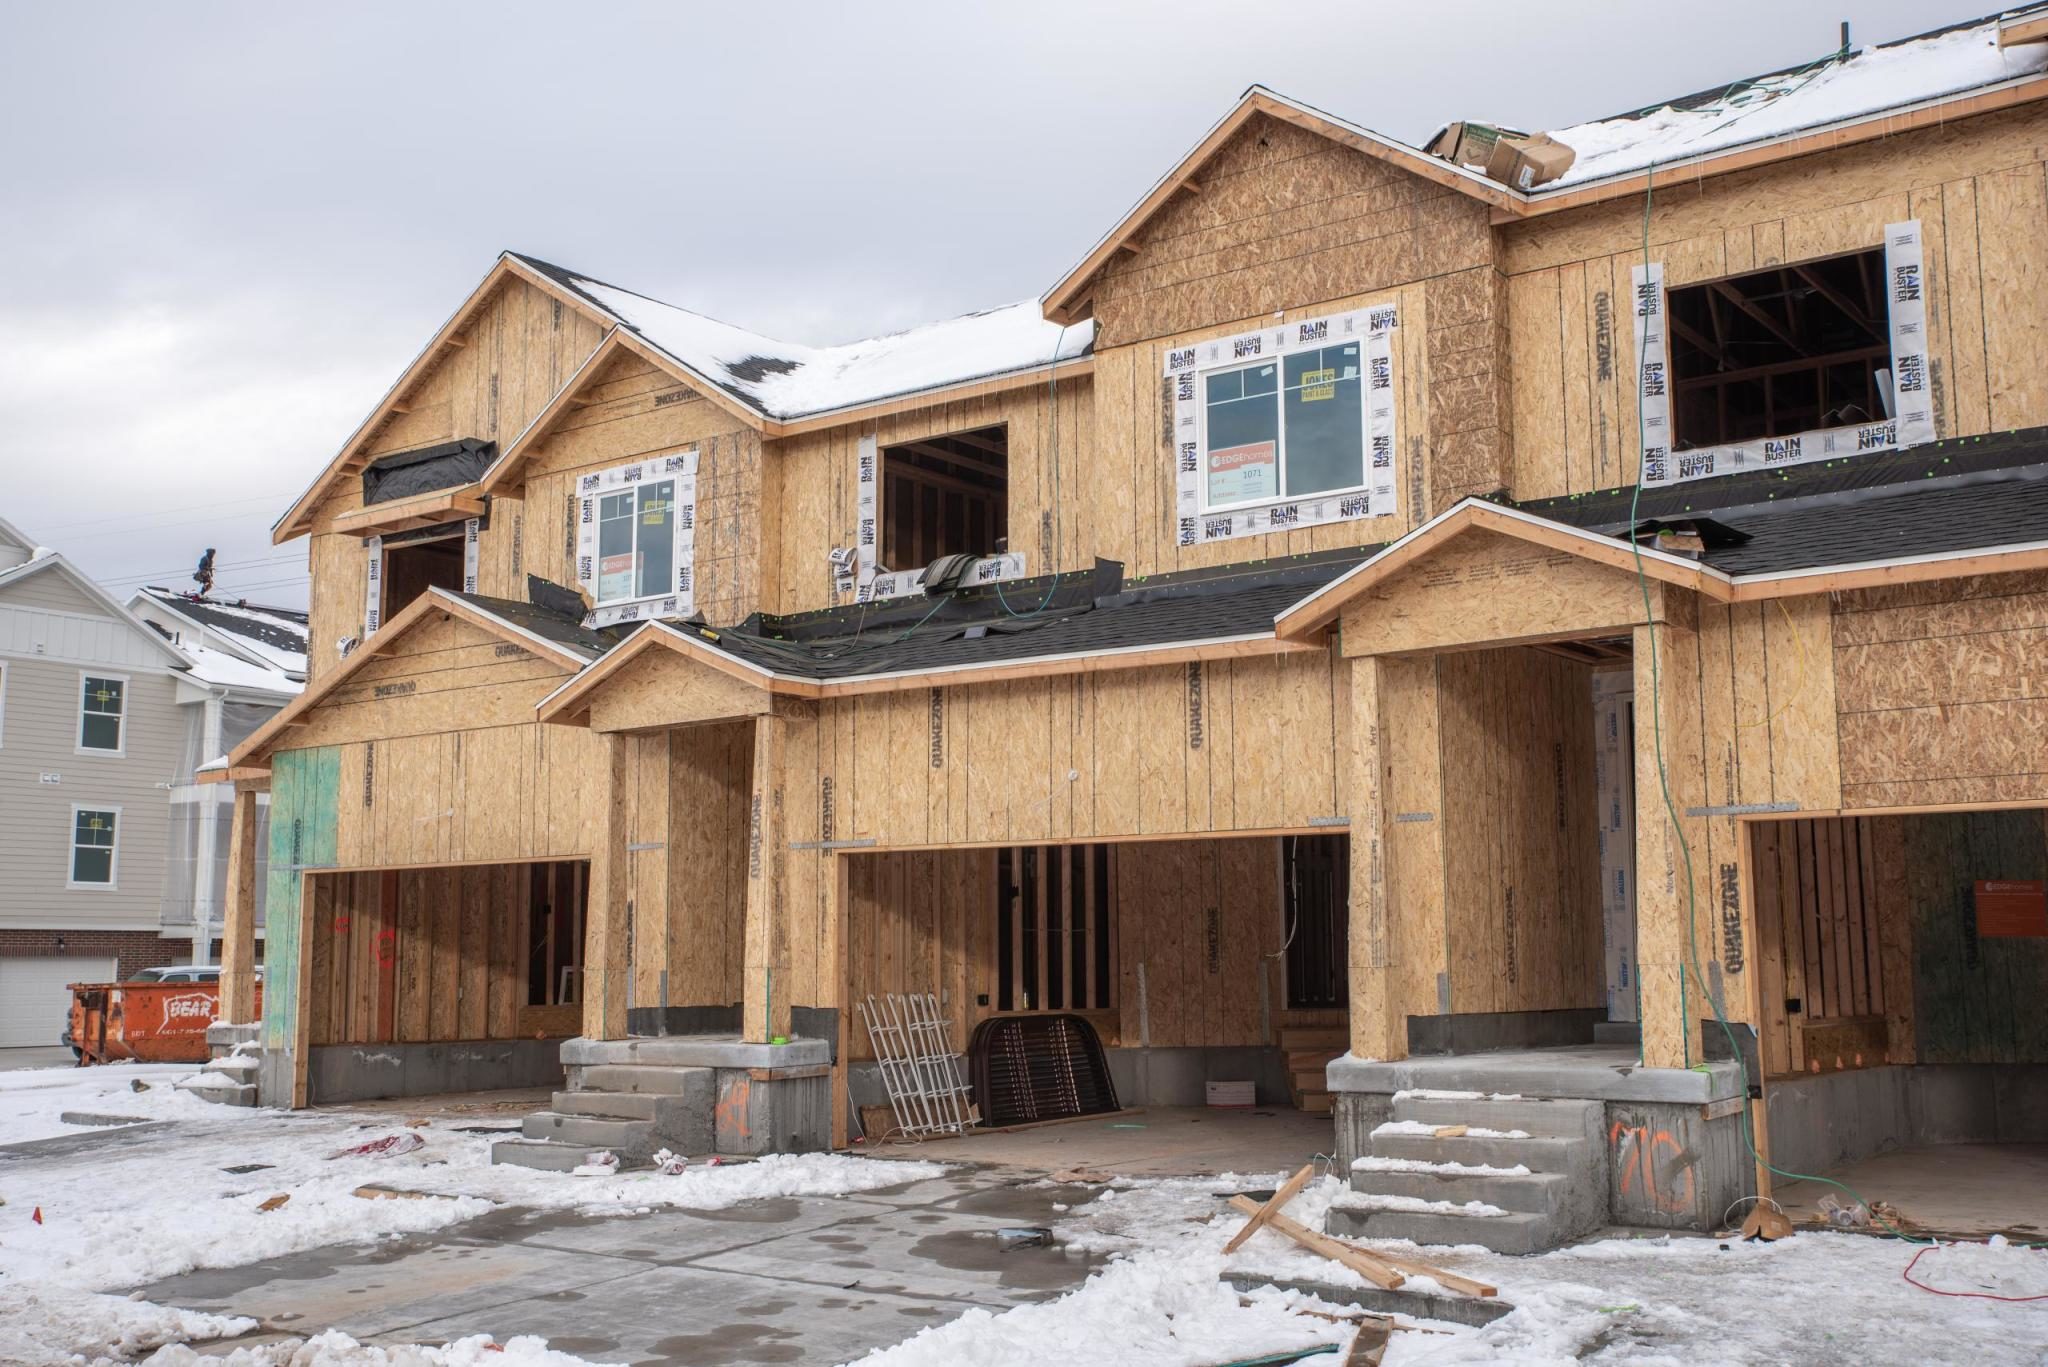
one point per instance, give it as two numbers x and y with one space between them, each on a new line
1671 1002
238 933
606 958
1379 1029
765 991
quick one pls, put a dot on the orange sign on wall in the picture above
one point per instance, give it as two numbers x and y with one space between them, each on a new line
2009 906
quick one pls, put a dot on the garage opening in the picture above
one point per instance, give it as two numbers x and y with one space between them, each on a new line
1173 951
416 961
1902 962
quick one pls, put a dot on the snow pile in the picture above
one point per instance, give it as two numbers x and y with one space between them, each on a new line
1438 1094
33 1100
1867 82
790 380
51 1324
1416 1205
336 1349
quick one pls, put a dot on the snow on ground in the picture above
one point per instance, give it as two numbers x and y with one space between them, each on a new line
147 1205
1815 1298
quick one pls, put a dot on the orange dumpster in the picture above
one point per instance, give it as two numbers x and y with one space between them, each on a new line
150 1022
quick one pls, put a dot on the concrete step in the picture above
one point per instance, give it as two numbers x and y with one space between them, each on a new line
1538 1153
1309 1080
551 1157
610 1105
636 1077
1565 1119
239 1066
1315 1103
216 1087
1533 1193
587 1132
1515 1232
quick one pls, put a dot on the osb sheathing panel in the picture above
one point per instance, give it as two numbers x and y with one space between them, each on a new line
1521 853
1483 588
638 413
1284 217
518 351
925 921
661 688
1939 689
1052 453
1669 999
1411 734
1976 186
1226 746
416 955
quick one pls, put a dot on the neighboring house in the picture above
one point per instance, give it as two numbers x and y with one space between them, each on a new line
250 660
94 709
1365 584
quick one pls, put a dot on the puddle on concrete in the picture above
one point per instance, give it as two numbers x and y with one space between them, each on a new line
732 1343
763 1309
773 1210
571 1343
1020 1269
1032 1205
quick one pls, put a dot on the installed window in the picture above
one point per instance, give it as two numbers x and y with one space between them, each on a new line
1291 428
636 540
92 846
1778 352
101 703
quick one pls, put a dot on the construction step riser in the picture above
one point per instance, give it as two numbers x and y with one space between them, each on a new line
1535 1194
1501 1233
1560 1119
591 1132
546 1157
611 1105
1538 1153
637 1079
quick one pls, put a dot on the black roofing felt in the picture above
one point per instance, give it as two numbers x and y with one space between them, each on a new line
1970 493
1032 619
549 626
449 465
279 628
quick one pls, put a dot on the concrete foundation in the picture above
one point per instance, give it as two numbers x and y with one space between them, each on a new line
1818 1123
1147 1077
366 1072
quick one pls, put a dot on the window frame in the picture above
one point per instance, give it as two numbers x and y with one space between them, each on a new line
678 466
78 744
1278 360
72 847
636 489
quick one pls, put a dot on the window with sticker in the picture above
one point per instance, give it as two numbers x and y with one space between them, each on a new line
1289 427
102 702
636 542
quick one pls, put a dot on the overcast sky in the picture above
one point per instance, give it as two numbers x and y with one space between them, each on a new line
226 228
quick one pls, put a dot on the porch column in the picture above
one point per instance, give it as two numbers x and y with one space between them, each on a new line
1378 1029
606 960
765 991
238 931
1668 713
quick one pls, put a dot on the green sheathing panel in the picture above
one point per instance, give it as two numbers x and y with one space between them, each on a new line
1974 1000
304 785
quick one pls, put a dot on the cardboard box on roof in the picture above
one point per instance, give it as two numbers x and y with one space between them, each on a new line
1469 144
1527 162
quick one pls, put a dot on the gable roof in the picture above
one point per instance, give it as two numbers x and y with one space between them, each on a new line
54 562
1842 98
547 635
1974 505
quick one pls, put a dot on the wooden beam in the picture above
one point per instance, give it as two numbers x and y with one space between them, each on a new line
2023 31
1693 335
1758 372
607 973
1289 1189
238 933
1840 301
766 988
1768 323
1367 1265
421 510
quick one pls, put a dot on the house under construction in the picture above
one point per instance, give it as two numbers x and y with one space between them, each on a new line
1454 638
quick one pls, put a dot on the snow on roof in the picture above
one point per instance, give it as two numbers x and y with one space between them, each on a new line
785 380
1837 89
223 670
274 636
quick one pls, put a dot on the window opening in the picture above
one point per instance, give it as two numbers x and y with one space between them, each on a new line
413 567
1780 352
945 496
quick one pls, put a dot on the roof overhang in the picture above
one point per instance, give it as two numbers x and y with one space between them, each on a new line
430 509
253 751
42 564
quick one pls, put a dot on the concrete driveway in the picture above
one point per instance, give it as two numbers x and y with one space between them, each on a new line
36 1056
804 1280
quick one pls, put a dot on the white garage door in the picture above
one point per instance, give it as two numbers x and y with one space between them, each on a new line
35 997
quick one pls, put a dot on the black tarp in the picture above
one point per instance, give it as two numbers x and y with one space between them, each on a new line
450 465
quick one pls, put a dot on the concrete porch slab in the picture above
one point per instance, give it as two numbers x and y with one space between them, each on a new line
1591 1072
696 1051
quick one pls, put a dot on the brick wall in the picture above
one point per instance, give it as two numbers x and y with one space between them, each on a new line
133 949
